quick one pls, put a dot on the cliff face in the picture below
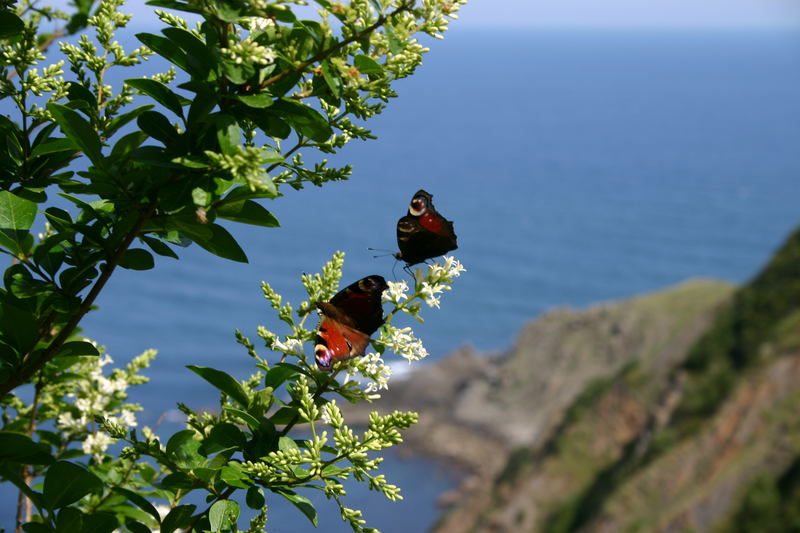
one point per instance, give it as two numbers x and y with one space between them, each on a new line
673 411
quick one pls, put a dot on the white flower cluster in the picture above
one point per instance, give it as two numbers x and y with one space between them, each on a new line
396 292
101 395
290 346
261 24
374 370
249 51
438 279
402 342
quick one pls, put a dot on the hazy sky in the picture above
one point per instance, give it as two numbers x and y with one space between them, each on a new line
715 13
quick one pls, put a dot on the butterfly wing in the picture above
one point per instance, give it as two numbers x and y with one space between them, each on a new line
424 233
336 342
352 315
359 304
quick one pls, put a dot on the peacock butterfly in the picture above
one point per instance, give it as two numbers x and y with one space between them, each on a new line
352 315
423 233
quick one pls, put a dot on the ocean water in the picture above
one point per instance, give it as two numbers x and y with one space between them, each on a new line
577 166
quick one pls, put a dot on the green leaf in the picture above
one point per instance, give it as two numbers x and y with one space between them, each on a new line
251 421
69 520
159 246
179 439
237 73
247 212
304 119
139 501
222 381
286 444
301 502
198 57
278 374
233 476
79 131
158 92
258 101
284 415
228 133
165 48
272 125
215 239
255 498
367 65
10 24
333 82
158 127
137 527
125 118
16 218
223 436
100 522
153 155
172 4
128 143
137 259
37 527
19 328
22 449
78 348
78 93
223 515
54 145
243 192
176 481
179 517
66 483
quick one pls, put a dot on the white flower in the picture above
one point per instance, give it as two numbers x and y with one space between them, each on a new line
331 414
453 266
429 292
293 346
397 291
126 418
96 444
108 387
374 370
325 416
261 23
84 405
403 343
66 421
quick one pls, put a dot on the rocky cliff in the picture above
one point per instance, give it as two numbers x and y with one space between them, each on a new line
673 411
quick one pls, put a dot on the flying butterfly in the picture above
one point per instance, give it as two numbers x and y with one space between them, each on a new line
348 320
423 233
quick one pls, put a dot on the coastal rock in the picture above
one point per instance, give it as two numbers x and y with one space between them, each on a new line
494 416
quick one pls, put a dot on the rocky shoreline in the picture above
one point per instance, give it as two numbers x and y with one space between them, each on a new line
477 411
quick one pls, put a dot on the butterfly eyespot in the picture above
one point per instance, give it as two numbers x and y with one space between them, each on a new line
418 206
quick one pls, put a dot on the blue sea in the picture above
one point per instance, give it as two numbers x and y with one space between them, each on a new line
578 166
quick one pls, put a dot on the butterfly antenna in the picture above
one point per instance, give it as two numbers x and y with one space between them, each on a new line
388 252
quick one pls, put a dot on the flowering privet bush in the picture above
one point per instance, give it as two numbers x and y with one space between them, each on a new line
150 165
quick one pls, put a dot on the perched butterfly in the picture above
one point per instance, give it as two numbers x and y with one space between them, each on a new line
423 233
352 315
